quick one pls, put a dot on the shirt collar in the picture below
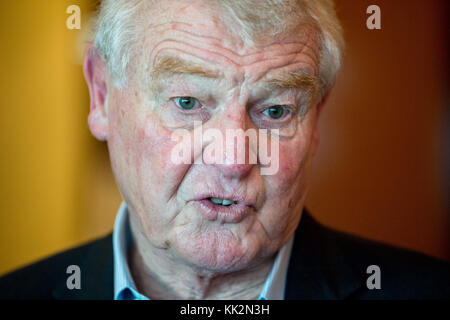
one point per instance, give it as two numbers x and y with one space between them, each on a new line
125 288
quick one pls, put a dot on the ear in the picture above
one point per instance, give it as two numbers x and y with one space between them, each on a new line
95 73
316 135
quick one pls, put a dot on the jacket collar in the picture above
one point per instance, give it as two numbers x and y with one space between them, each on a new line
96 274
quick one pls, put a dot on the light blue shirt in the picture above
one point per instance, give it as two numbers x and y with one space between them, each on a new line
125 288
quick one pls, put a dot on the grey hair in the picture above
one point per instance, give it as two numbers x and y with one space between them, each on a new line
118 34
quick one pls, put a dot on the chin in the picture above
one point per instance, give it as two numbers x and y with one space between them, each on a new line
215 251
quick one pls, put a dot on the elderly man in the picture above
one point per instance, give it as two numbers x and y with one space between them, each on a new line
190 97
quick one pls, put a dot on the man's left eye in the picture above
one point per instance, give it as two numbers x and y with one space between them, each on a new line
275 112
187 103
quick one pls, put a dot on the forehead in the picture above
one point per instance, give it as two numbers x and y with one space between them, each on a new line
196 32
194 16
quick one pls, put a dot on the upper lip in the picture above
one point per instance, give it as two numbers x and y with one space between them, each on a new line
238 199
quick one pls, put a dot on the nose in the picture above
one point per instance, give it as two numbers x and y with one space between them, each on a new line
238 155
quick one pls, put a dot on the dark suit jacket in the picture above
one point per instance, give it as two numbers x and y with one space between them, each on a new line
325 264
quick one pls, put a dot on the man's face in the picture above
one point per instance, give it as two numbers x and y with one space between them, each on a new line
197 71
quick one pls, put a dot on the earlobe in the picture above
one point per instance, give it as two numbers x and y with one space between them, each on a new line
95 74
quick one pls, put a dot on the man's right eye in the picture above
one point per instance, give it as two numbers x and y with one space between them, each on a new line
187 103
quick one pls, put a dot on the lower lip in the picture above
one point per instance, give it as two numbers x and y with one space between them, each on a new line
229 214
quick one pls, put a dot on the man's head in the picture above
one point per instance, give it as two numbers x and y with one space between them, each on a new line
158 68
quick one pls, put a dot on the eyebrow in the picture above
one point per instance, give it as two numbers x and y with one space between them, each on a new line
294 80
168 65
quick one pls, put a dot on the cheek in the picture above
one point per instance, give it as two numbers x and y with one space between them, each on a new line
157 176
142 145
140 151
140 155
293 157
152 145
287 188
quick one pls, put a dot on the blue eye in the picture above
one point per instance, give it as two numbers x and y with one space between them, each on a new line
275 112
186 103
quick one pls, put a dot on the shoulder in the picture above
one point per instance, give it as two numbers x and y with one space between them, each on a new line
343 263
403 274
40 279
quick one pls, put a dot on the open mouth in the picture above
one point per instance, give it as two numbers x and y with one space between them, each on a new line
224 209
222 202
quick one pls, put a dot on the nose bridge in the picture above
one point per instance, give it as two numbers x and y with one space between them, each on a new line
234 116
237 156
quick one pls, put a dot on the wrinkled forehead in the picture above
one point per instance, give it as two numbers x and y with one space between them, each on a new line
199 17
202 42
203 22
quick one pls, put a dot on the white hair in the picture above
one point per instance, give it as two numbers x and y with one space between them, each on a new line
118 35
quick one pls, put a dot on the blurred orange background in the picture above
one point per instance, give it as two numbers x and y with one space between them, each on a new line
382 170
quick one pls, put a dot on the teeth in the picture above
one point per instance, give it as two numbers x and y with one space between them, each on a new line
223 202
227 202
216 200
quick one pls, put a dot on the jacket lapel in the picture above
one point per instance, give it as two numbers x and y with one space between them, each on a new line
316 269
